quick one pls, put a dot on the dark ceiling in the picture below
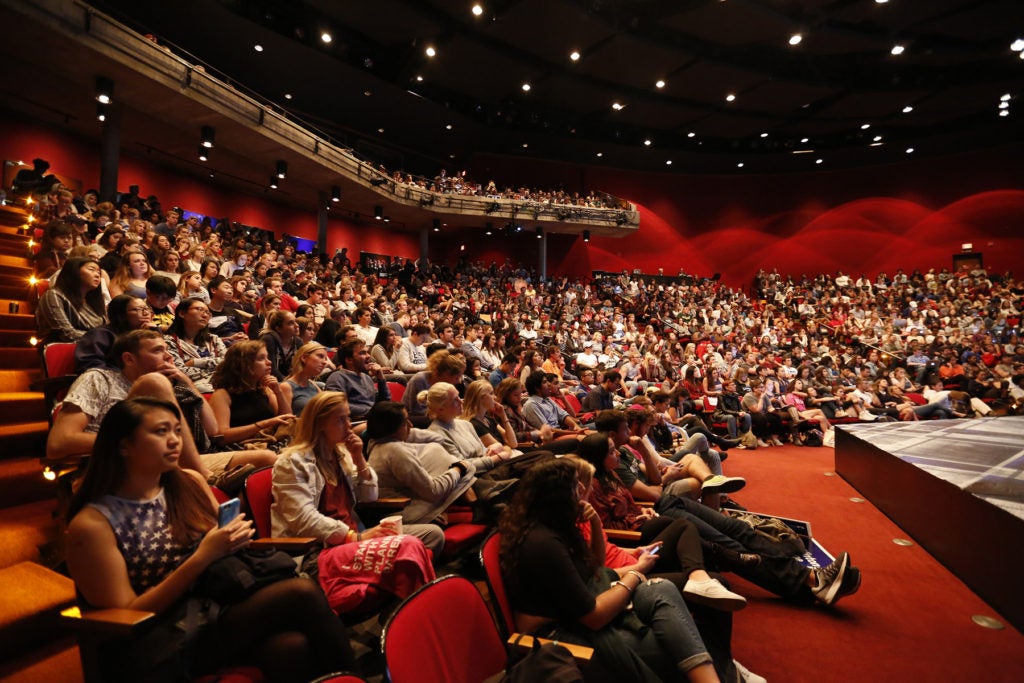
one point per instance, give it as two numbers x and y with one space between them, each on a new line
827 98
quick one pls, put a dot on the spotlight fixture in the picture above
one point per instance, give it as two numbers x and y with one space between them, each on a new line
540 232
326 37
281 169
795 39
489 228
730 98
104 90
477 10
897 50
204 154
206 136
101 112
378 212
437 225
574 55
586 235
273 182
526 87
335 193
430 51
659 84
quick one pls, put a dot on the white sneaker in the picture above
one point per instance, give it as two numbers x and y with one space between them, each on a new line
762 444
713 594
746 675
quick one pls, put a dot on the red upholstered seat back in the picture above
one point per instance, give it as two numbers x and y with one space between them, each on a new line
441 633
258 497
492 571
397 390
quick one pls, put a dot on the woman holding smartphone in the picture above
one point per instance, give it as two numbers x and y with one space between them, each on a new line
133 483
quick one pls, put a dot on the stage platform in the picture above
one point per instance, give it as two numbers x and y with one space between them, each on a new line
957 488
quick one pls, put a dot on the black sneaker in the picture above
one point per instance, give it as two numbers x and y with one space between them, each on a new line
830 579
849 585
730 504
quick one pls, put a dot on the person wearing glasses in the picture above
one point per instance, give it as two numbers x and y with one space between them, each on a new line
126 313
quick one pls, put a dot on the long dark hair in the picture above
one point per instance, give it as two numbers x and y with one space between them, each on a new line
70 283
117 312
546 496
177 327
594 449
189 512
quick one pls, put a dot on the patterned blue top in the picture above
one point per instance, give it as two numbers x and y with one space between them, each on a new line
144 538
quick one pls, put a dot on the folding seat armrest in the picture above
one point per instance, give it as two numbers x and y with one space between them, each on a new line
293 546
580 653
106 622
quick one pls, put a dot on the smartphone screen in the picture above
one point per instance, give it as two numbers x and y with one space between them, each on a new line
655 550
228 511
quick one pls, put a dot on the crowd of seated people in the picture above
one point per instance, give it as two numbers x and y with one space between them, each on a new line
662 377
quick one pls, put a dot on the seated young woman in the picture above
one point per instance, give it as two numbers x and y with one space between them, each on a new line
715 625
132 483
509 395
795 397
617 510
559 589
281 337
197 351
126 313
247 399
300 386
323 475
74 304
408 466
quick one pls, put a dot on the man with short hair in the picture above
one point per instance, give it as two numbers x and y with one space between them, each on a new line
504 370
225 321
540 410
411 356
144 368
360 378
602 397
169 225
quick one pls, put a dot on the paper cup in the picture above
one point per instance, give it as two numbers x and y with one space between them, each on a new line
394 521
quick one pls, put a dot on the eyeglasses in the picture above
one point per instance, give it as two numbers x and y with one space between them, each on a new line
141 310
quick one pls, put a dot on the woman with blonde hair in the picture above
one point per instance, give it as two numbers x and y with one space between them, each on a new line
321 477
308 364
130 277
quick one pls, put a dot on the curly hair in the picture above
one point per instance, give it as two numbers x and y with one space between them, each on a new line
547 496
235 374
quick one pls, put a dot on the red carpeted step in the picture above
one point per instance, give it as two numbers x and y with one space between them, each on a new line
29 613
24 437
21 358
15 338
18 380
55 662
17 321
22 481
23 406
29 533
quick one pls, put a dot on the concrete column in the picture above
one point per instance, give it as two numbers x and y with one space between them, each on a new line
321 222
542 255
424 245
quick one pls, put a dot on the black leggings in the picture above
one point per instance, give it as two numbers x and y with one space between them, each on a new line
289 631
681 551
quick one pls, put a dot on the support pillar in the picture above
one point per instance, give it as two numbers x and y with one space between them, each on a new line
321 222
542 255
424 246
110 154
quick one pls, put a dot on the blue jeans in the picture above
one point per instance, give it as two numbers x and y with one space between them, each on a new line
730 423
698 443
672 645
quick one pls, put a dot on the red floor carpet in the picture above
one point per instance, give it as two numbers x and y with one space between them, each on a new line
911 619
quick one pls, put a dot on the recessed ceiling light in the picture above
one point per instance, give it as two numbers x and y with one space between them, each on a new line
380 130
1005 98
795 39
668 162
818 161
647 142
287 95
1004 112
897 49
419 79
616 106
1004 105
865 126
881 2
525 145
764 135
448 127
739 165
805 140
600 154
574 55
877 138
691 134
477 10
258 48
876 144
910 150
659 83
1021 55
1017 45
526 87
907 109
367 93
326 37
730 97
431 52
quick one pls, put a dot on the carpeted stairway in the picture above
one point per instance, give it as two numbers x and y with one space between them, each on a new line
33 645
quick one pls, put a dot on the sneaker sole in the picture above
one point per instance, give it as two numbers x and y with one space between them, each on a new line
731 486
722 604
